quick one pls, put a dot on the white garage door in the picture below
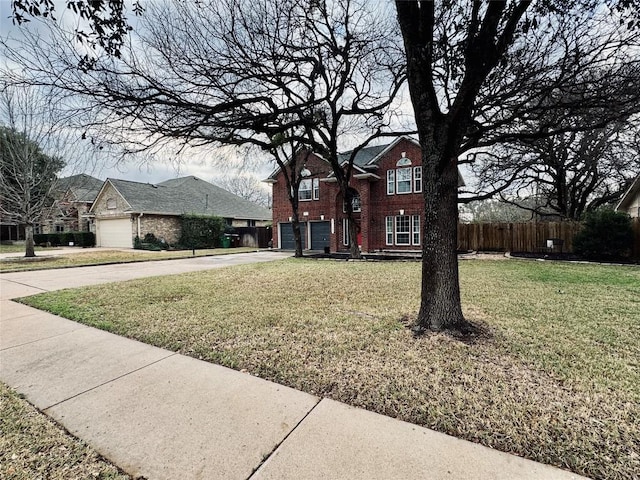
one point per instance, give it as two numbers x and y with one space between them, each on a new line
114 233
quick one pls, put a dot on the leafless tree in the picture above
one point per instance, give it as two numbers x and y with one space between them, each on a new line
247 186
27 173
484 73
569 173
238 72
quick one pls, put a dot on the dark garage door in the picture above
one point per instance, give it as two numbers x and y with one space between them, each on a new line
287 242
320 232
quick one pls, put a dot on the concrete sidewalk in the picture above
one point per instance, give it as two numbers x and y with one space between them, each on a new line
162 415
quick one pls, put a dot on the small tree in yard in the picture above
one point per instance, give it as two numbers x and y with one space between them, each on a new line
27 174
606 235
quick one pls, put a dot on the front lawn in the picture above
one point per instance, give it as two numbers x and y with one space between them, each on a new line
17 248
555 379
102 257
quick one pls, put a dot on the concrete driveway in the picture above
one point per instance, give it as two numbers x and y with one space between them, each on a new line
20 284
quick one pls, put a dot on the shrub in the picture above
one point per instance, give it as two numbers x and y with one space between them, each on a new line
79 239
200 231
605 235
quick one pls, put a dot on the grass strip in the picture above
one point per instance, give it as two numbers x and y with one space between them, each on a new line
32 446
80 259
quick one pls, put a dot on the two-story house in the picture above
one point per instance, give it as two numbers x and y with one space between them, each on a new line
387 201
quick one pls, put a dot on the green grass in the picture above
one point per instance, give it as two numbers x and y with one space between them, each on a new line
556 379
83 258
21 249
33 446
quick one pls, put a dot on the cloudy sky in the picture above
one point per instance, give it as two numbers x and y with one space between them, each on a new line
204 164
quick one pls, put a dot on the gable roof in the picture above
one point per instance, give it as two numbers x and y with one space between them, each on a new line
189 195
367 157
629 195
84 187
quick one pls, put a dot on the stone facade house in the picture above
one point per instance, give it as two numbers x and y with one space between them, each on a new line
73 198
630 202
387 202
123 209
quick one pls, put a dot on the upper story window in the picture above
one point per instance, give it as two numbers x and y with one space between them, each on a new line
417 179
304 192
356 206
111 203
316 189
404 178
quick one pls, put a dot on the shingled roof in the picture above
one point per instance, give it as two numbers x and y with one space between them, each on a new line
84 187
187 195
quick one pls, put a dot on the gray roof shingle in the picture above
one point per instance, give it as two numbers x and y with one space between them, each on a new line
84 187
188 195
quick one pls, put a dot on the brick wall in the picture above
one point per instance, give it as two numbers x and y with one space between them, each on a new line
167 228
383 205
376 204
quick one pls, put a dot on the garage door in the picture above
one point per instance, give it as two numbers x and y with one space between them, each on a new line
114 233
320 232
287 242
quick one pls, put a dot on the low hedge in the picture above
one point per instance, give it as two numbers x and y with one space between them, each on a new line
79 239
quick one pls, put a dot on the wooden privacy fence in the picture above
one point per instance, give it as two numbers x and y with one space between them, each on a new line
257 237
531 237
518 237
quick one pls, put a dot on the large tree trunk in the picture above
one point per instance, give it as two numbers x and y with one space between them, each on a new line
440 295
354 248
297 236
29 246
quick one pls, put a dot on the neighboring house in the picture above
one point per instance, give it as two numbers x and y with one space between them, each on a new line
387 201
123 210
73 198
630 202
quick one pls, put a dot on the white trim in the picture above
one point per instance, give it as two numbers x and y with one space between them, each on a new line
410 180
408 232
364 176
345 232
415 222
391 145
417 182
391 182
310 190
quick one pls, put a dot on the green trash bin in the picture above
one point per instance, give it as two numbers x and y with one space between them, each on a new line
226 242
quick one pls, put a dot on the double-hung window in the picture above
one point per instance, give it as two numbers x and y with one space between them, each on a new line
304 192
417 179
402 230
415 229
316 189
403 180
389 230
391 182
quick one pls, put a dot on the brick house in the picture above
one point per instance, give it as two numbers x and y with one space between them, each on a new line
123 209
388 204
